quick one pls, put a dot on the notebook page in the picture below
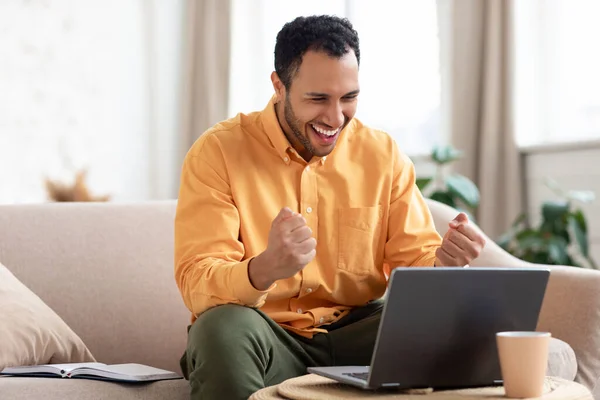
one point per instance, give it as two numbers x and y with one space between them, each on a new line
125 371
70 367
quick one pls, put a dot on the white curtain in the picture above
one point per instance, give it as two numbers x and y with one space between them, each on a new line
480 110
206 69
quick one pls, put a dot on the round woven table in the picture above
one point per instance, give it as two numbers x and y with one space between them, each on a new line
314 387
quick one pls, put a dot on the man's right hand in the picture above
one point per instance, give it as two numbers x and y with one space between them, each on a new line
291 246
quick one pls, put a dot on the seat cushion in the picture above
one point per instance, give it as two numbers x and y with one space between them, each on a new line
561 363
561 360
86 389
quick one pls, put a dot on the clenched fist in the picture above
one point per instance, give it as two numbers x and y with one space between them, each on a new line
291 246
461 244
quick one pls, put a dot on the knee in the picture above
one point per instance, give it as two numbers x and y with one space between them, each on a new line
225 326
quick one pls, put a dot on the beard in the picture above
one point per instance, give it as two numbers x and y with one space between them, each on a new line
294 123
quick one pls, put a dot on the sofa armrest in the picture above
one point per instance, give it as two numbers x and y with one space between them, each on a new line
571 312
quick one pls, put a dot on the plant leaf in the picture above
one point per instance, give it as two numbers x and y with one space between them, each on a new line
580 235
463 188
578 215
422 182
557 250
530 240
543 258
554 210
443 197
584 196
506 239
445 154
572 262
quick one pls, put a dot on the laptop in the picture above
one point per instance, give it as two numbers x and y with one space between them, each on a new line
438 327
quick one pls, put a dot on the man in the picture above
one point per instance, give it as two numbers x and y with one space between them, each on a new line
289 220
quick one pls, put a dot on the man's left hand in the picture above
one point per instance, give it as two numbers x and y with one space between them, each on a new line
460 245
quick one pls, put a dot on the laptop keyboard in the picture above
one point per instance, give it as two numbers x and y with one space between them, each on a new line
360 375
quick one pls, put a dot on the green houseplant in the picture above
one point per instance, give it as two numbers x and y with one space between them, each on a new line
452 189
560 237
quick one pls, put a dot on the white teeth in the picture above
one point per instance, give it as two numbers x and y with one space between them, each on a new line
325 132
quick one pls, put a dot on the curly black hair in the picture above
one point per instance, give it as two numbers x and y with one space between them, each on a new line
327 33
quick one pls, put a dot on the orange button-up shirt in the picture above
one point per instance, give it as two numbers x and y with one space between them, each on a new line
361 203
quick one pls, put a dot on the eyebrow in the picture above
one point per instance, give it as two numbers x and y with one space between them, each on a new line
317 94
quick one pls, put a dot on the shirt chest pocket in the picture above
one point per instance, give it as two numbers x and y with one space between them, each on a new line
359 233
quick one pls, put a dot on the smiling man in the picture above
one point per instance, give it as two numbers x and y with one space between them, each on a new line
313 120
289 219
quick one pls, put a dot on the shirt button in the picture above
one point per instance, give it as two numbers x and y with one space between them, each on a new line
309 290
299 311
322 320
309 209
286 159
308 167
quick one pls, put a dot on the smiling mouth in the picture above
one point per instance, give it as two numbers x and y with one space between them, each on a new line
325 132
325 137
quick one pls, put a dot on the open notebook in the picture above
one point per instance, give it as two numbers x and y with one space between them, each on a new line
116 372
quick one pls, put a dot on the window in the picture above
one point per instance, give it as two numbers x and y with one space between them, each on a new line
86 85
399 73
400 79
557 71
254 28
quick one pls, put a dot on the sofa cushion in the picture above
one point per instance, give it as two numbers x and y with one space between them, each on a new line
84 389
561 360
31 332
107 269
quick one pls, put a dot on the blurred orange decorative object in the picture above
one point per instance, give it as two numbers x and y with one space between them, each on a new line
78 191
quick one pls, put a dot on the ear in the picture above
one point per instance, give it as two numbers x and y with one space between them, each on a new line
278 86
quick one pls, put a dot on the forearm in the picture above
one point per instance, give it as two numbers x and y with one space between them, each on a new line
258 272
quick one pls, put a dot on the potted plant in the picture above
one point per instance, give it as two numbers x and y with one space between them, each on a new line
452 189
560 237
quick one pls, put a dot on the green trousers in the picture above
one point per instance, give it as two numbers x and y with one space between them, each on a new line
233 351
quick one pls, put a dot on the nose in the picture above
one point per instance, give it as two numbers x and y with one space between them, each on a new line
334 116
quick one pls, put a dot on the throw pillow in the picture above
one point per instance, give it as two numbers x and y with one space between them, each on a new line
561 360
32 333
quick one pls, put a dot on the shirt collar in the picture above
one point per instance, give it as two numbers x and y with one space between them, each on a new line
274 131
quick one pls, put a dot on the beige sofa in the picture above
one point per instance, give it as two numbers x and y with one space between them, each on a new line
107 270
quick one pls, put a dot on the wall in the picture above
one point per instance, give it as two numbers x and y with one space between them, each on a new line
90 85
575 167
